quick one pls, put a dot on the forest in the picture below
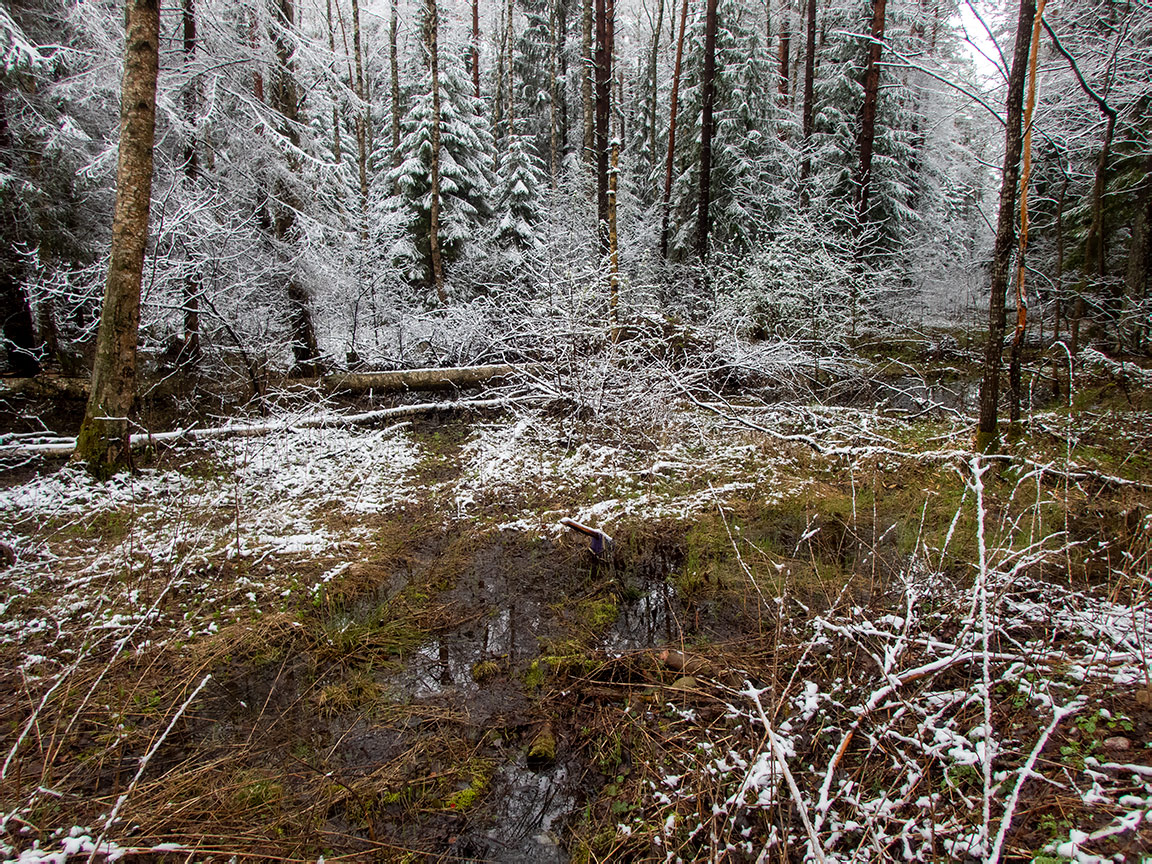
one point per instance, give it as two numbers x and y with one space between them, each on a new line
576 430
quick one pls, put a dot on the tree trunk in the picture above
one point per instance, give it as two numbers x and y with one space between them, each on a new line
434 193
613 247
286 101
476 48
104 441
604 11
562 85
362 116
1094 247
553 96
394 65
586 85
1136 277
190 350
1016 357
784 51
337 152
672 111
708 83
654 86
867 138
987 435
808 121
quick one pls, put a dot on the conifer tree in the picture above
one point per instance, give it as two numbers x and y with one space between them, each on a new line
465 175
520 184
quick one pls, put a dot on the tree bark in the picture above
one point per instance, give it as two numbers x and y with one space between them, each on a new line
337 151
604 12
987 434
1016 357
1136 277
434 193
672 112
589 153
613 246
286 101
553 97
362 118
654 85
784 52
808 121
707 123
394 66
104 439
867 140
190 350
475 47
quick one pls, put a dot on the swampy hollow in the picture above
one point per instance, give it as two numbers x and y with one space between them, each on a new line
382 644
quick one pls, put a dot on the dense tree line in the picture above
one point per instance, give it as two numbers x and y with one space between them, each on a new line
323 169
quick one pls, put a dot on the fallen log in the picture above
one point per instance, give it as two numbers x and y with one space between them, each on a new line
59 447
447 378
398 380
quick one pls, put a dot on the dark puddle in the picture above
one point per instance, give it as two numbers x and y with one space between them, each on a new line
514 599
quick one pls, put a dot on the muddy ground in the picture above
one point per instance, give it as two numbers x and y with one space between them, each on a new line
381 644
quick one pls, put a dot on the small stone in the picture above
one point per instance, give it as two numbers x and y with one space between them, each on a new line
1117 743
687 682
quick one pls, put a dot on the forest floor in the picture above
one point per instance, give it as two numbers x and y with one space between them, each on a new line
825 630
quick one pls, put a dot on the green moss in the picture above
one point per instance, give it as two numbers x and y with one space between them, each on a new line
479 773
543 748
484 670
534 677
598 614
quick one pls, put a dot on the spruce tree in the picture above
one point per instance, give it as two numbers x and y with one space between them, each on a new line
466 180
520 184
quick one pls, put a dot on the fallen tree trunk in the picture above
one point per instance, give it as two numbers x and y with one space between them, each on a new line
60 447
435 378
449 378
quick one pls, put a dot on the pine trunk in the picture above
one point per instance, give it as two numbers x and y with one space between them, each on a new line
604 10
654 86
672 111
987 434
586 85
190 351
104 442
708 83
362 116
867 139
434 213
476 48
394 65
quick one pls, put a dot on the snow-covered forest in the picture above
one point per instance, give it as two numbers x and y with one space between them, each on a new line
575 430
